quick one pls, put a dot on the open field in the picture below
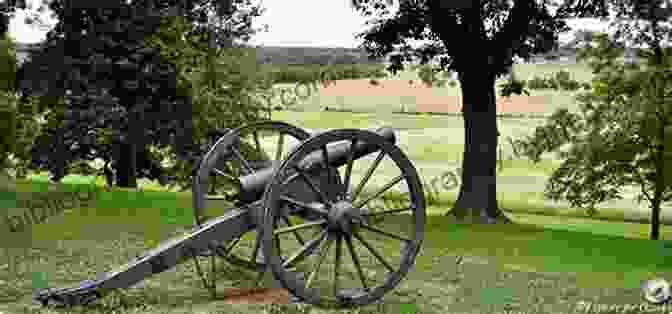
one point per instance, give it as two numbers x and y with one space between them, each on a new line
396 94
435 145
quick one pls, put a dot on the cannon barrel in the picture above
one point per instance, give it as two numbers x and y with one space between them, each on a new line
252 186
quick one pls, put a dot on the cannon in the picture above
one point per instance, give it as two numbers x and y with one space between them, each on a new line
291 214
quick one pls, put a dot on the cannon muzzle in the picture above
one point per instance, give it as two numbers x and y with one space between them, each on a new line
252 186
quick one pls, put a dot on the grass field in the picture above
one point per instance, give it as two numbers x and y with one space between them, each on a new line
391 103
536 260
551 259
435 144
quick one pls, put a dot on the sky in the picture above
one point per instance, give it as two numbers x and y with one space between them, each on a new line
313 23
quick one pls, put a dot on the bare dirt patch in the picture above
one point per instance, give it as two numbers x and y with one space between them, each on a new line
427 99
255 296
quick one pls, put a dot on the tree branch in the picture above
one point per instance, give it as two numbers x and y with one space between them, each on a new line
642 183
514 31
442 18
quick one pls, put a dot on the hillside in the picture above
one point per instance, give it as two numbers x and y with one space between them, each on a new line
311 55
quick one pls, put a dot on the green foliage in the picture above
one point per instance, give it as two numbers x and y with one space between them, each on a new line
559 81
119 92
7 128
18 120
8 114
129 86
537 83
622 136
429 75
28 128
7 64
221 85
513 86
562 77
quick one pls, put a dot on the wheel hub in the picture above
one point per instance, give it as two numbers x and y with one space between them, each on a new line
343 217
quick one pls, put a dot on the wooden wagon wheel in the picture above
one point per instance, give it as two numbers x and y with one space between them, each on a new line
332 282
241 151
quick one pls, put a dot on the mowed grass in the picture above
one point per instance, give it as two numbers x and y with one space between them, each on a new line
618 257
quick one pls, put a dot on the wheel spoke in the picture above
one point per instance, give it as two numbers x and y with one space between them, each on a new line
306 250
381 191
294 228
374 252
255 252
224 174
230 170
385 212
323 254
296 234
256 141
242 160
211 197
337 262
310 207
367 175
325 164
281 144
325 157
231 246
348 169
355 259
385 233
312 185
276 241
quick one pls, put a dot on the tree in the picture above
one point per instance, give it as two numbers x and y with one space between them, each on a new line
141 93
581 37
8 113
224 82
7 10
478 40
623 135
107 80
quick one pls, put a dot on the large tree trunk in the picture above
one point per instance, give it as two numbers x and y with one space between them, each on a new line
478 191
125 167
655 220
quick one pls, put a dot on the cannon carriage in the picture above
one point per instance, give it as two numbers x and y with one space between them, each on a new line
295 212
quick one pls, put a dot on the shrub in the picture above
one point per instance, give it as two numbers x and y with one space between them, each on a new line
551 83
562 77
572 85
560 80
537 83
428 75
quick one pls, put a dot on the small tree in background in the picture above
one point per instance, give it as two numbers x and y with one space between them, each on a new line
7 99
18 124
222 92
622 136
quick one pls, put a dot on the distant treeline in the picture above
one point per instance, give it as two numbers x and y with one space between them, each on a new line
310 73
312 55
